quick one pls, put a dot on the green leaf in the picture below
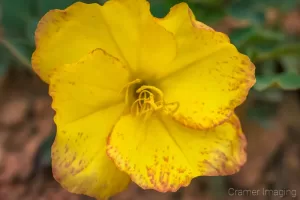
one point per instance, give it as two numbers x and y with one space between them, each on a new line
207 3
251 52
263 82
291 64
263 39
289 81
15 14
286 81
160 8
209 15
281 49
4 60
251 10
256 37
239 36
202 9
30 29
269 68
254 10
255 41
45 5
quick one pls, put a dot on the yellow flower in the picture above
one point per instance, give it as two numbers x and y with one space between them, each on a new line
140 98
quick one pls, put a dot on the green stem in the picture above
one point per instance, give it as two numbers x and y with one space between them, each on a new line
16 53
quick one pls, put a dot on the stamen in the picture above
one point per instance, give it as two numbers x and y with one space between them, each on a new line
149 100
148 87
127 89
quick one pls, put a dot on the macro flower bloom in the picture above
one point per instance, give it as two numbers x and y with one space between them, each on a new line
140 98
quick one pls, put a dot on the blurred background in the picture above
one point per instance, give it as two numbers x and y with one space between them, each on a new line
268 31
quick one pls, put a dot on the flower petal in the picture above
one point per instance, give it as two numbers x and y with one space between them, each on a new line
87 101
124 29
209 77
64 36
146 45
79 161
181 20
162 154
94 82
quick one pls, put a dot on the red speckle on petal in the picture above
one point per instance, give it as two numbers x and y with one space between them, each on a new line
166 159
151 175
180 170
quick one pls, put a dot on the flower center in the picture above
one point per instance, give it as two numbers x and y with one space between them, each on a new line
144 99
